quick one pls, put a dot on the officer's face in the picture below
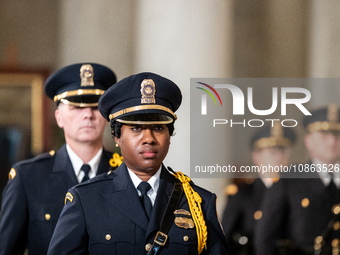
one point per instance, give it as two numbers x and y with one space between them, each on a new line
144 147
80 124
323 146
275 156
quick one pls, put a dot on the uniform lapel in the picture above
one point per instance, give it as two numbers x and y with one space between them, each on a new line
125 199
104 164
63 173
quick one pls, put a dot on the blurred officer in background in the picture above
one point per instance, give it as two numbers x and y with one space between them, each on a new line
270 146
297 211
34 195
141 207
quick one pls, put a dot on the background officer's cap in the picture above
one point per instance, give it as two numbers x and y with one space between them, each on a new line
276 136
79 84
144 98
324 119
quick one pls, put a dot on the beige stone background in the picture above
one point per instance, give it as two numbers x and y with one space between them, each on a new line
180 39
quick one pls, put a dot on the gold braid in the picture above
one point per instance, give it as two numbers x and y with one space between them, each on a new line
116 160
194 201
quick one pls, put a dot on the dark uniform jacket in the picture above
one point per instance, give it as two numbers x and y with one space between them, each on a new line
33 199
106 216
242 213
296 210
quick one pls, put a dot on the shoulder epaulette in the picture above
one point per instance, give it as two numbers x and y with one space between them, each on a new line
98 178
275 179
43 156
249 180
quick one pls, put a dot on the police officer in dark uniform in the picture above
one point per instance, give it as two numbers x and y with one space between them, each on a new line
139 208
297 212
271 145
34 195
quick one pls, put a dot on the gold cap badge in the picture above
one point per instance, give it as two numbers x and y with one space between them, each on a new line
332 113
276 138
148 90
86 75
276 130
331 124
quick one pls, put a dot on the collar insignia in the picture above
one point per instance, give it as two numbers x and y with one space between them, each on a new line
12 174
68 197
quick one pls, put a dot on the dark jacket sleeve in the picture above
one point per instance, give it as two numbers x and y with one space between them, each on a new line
69 236
216 243
270 227
13 217
231 218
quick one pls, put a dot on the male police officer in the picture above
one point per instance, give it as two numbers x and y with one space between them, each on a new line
128 211
297 211
35 193
271 146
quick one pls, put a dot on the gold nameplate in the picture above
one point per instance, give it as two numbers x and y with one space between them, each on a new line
182 219
148 90
182 211
86 75
184 222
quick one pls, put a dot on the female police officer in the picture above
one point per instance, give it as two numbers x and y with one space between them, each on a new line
127 210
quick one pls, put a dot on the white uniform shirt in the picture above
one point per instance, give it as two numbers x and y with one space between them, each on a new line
77 163
153 181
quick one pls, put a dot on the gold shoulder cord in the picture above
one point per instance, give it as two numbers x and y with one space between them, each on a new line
194 201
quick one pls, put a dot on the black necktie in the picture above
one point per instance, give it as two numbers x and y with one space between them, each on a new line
144 187
332 189
86 169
